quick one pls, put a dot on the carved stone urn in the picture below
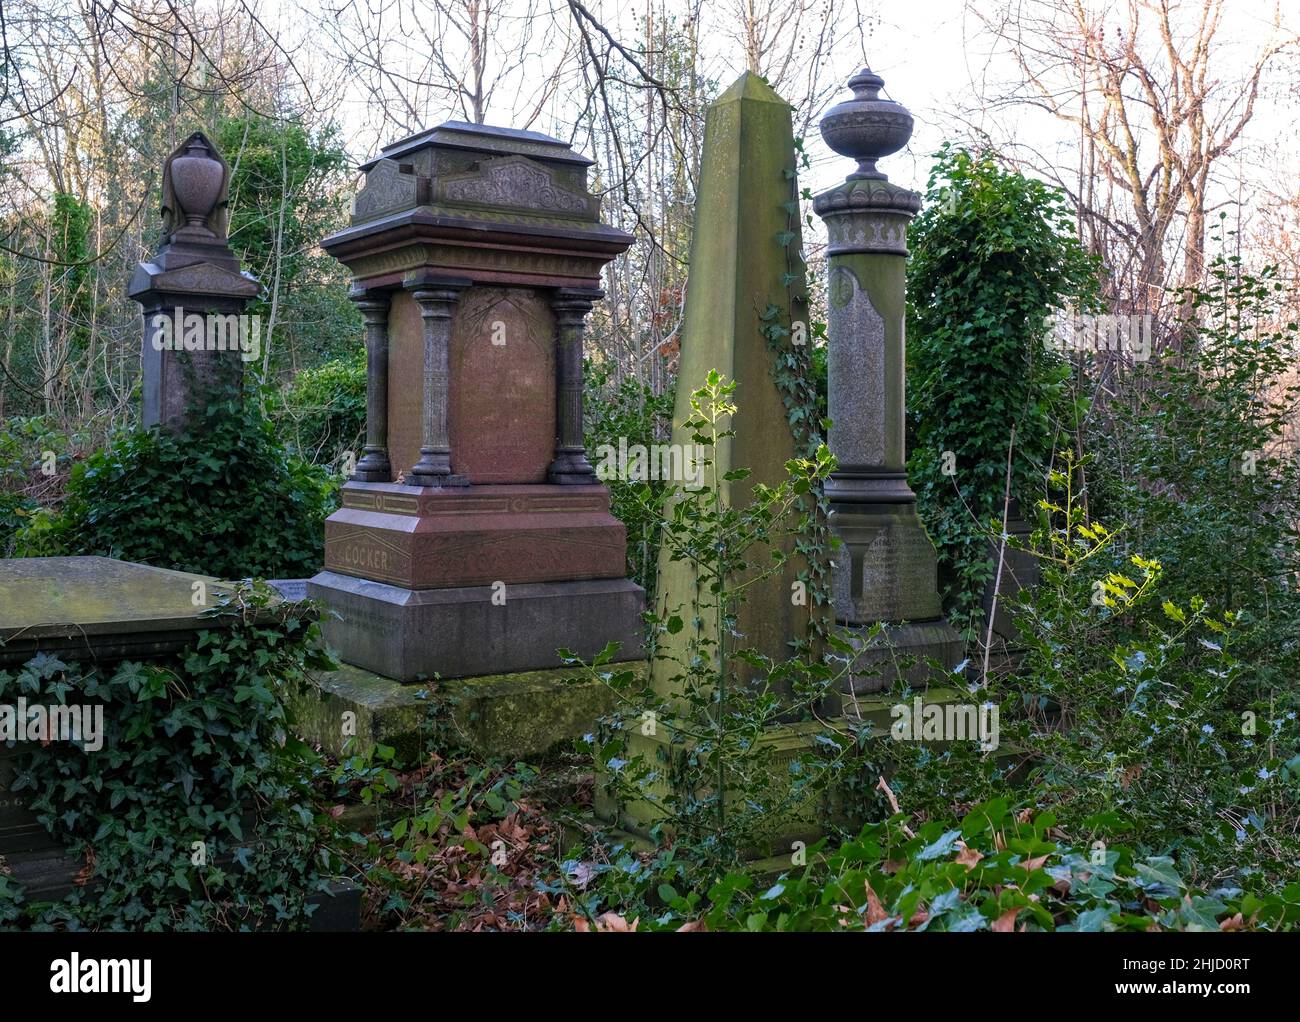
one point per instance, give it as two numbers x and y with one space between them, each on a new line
196 180
866 127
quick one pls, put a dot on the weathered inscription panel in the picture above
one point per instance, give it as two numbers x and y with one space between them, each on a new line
503 386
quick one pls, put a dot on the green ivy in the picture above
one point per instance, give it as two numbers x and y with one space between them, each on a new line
321 415
994 253
799 371
197 812
224 499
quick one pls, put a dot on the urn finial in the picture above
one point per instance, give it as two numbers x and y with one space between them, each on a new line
866 127
197 179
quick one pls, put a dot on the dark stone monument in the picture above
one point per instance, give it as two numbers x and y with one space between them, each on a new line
886 571
474 537
192 293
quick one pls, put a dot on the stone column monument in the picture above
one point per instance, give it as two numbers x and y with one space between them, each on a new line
886 570
193 294
474 537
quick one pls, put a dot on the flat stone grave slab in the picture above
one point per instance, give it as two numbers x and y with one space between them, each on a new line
98 608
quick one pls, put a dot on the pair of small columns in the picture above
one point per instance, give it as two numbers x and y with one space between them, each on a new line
437 298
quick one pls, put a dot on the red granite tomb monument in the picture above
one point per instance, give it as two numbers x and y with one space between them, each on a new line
474 537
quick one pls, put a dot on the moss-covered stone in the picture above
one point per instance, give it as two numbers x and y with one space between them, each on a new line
526 715
349 711
739 267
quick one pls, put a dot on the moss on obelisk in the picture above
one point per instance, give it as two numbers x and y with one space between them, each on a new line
745 259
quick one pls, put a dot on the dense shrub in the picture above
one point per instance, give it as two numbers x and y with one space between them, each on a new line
1194 459
35 459
321 415
1139 716
994 253
630 410
223 500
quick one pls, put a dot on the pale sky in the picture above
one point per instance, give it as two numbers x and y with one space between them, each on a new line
933 54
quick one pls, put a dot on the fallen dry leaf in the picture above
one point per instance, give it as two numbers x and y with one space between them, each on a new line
968 857
1006 922
610 922
875 910
581 874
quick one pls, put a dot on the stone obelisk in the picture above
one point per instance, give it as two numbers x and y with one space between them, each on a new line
739 269
886 569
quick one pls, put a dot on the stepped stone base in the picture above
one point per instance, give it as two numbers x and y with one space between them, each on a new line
902 652
416 634
522 715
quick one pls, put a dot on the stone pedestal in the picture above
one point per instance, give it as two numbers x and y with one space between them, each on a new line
193 296
886 570
474 537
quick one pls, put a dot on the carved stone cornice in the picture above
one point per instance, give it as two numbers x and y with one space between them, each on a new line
867 194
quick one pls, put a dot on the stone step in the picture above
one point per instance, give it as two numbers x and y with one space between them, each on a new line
524 715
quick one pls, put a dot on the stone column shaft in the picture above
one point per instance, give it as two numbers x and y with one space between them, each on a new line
571 306
374 465
867 224
434 466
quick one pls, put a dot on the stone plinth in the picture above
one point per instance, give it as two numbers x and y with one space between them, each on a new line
427 538
474 537
416 634
524 715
